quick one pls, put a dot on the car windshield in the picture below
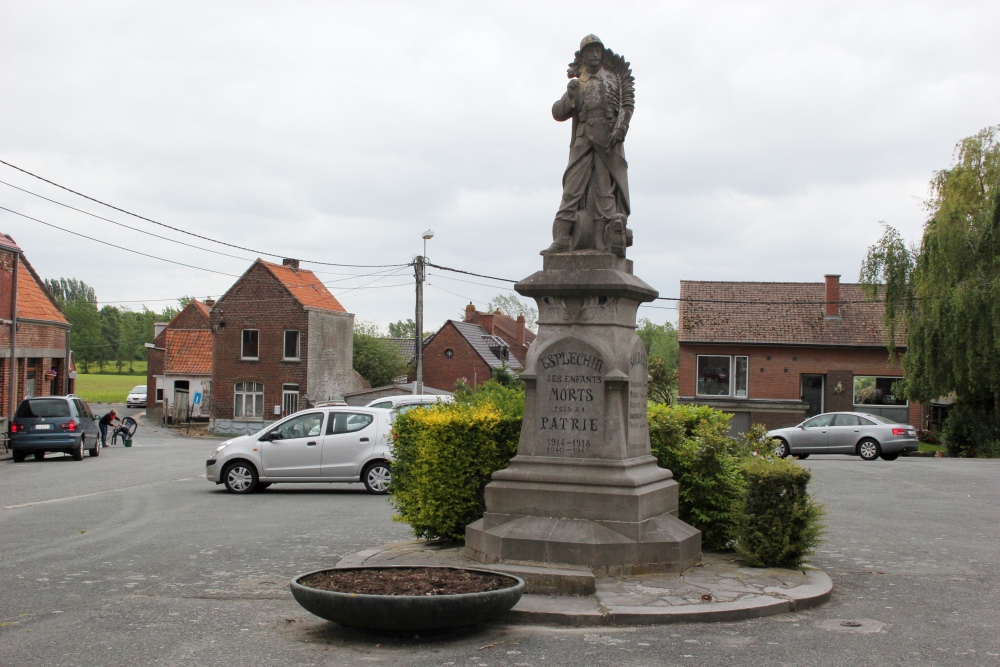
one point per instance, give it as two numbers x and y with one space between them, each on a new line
882 420
36 408
141 389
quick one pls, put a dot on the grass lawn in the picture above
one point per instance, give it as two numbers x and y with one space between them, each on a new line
106 387
928 447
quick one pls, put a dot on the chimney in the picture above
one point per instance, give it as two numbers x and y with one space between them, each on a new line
520 329
293 264
209 302
832 295
470 312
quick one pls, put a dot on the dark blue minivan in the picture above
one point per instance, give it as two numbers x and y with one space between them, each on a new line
54 424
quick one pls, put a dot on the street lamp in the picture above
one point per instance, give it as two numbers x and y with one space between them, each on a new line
418 339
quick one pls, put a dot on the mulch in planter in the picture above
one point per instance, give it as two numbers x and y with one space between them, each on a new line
406 581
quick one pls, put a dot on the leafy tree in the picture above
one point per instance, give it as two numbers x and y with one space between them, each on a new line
663 350
85 332
376 359
511 306
945 293
109 350
70 290
403 329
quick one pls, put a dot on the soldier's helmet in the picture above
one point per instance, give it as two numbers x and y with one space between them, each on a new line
590 39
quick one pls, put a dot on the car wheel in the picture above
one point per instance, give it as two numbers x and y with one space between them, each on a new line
802 457
890 457
869 449
376 477
240 477
77 453
96 449
781 448
17 456
39 456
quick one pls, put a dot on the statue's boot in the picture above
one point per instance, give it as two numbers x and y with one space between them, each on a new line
560 237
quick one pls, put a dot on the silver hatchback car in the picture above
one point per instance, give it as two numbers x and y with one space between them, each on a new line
330 444
858 433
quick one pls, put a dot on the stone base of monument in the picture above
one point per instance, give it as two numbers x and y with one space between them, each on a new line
584 490
614 517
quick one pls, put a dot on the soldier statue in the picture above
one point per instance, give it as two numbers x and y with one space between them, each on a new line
600 98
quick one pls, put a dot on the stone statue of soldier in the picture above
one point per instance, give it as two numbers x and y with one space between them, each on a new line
600 98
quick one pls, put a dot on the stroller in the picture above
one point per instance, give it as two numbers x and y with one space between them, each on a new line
125 431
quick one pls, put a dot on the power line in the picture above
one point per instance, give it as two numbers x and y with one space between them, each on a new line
136 252
183 231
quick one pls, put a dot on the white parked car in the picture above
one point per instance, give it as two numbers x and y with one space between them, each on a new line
137 397
331 444
404 400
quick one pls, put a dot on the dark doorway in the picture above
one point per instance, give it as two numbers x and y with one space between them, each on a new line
812 393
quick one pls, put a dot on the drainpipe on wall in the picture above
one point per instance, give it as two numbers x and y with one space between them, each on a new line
13 338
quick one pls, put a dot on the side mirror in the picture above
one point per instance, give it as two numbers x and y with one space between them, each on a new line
801 426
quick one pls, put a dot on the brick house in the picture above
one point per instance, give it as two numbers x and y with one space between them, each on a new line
34 333
468 352
280 341
776 353
160 389
513 331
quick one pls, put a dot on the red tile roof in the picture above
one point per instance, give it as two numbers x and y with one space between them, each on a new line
33 302
7 242
777 314
189 352
305 287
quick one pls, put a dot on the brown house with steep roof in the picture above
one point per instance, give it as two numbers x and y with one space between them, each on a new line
776 353
512 331
160 389
34 333
280 341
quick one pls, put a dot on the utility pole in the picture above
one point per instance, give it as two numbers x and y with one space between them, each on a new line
419 268
418 349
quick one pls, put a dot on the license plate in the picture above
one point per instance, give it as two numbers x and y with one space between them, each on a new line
43 427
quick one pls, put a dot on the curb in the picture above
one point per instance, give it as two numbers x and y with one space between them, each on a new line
549 597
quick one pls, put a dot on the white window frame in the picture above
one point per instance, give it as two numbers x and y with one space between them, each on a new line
243 354
252 391
298 345
731 392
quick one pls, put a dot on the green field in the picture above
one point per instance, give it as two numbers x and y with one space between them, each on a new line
106 387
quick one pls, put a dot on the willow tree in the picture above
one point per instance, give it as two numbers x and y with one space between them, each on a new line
945 293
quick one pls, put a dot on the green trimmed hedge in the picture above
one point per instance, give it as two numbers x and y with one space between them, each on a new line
724 485
444 455
779 524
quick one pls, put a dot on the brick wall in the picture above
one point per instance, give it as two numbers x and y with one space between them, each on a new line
6 285
190 317
257 301
775 372
442 372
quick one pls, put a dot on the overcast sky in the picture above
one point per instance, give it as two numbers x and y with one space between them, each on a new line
768 141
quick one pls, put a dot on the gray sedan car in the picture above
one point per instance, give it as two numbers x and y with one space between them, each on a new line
867 436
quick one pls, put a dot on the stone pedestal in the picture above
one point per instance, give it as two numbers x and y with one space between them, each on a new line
584 489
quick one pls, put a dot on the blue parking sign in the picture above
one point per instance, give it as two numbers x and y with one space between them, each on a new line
197 398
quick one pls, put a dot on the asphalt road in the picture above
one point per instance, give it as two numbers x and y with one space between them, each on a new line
134 559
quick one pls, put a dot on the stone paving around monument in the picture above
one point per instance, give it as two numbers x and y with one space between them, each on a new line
719 589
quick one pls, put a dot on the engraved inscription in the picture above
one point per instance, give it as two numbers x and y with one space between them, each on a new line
638 421
571 403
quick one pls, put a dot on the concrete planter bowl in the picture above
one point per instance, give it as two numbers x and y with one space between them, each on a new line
407 613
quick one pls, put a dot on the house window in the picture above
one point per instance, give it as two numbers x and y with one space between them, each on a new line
291 346
877 390
289 399
723 375
248 399
251 344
